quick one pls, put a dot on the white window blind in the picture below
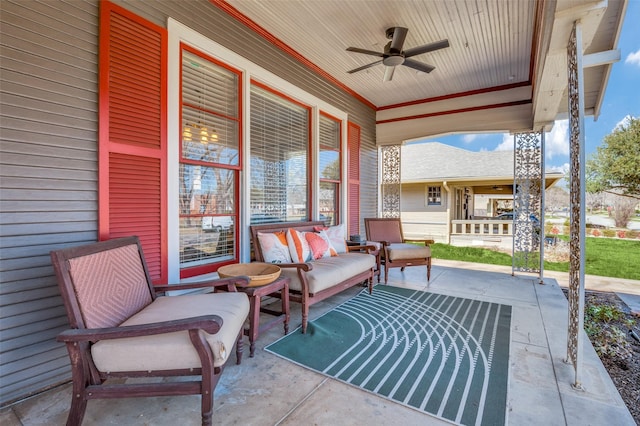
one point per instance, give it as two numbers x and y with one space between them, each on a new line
209 111
279 157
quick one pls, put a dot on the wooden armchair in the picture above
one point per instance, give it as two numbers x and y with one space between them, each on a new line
121 329
396 251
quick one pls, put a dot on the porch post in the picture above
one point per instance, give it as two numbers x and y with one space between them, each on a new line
528 184
577 198
390 180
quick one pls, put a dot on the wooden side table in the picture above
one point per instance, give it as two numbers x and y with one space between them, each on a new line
255 298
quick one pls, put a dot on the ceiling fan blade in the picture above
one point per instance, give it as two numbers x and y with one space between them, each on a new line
364 67
418 65
388 73
365 51
399 34
426 48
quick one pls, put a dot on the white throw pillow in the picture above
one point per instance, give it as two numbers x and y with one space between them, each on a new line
274 247
336 236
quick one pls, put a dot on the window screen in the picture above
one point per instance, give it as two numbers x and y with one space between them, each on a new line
279 157
209 163
330 170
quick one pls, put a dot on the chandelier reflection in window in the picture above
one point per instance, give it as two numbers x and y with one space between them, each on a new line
204 135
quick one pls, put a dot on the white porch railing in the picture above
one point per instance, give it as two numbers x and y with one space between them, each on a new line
482 227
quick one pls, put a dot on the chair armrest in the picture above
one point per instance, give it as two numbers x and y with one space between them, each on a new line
369 249
209 323
230 283
426 242
301 266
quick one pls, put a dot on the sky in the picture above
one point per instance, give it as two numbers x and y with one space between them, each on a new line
622 99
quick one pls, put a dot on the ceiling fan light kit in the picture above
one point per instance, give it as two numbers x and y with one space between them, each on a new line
394 56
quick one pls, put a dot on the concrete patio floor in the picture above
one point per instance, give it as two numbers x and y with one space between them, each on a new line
268 390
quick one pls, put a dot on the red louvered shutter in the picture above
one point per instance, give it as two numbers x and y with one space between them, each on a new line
353 160
132 147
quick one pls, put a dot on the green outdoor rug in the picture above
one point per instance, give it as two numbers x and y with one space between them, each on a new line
444 355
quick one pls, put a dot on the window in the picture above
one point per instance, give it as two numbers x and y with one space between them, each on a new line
209 163
433 196
330 170
280 135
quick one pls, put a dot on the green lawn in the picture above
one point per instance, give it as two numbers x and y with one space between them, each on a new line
607 257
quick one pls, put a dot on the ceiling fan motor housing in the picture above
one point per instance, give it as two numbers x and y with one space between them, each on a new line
393 60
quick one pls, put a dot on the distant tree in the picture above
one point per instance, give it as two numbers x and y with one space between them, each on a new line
595 201
615 166
623 210
556 199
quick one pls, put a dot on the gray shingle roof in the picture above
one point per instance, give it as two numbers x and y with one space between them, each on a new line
437 161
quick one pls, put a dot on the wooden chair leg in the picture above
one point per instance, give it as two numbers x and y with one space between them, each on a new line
207 401
79 378
77 410
305 312
239 347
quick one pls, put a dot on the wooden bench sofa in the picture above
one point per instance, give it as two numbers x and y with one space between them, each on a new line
315 280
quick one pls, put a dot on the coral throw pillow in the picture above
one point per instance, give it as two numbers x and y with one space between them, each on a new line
274 247
336 236
298 246
319 245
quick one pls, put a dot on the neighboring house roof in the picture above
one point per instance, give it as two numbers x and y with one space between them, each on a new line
435 161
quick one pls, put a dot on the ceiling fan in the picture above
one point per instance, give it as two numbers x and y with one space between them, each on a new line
393 54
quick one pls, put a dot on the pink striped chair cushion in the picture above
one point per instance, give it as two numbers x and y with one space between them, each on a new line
111 286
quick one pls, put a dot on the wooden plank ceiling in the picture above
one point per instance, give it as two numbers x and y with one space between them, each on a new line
490 42
495 62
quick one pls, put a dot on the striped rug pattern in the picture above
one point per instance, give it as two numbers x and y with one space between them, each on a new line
444 355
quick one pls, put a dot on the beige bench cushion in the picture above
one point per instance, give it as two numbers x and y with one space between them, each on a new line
405 251
329 271
174 350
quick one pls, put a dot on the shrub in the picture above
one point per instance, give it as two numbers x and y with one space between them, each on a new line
608 339
596 233
609 233
621 234
633 234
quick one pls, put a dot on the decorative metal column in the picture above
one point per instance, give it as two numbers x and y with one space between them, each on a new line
577 199
528 184
390 187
